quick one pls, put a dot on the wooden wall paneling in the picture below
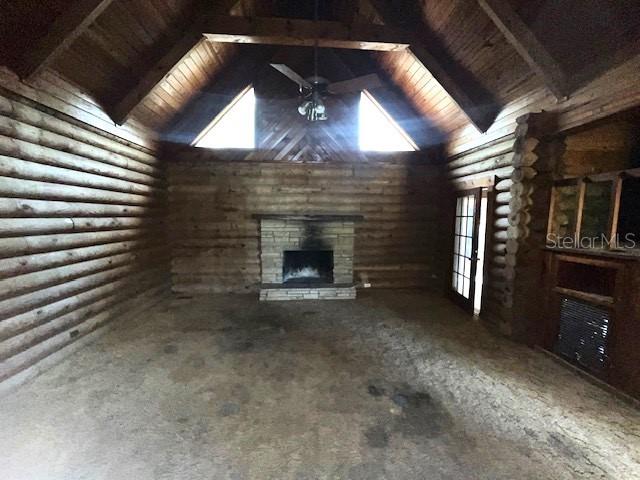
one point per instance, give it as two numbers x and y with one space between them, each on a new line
216 249
521 177
22 116
600 148
613 92
81 234
492 167
69 102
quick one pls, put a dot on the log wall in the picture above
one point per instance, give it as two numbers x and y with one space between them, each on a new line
61 98
81 233
496 159
615 91
606 147
215 240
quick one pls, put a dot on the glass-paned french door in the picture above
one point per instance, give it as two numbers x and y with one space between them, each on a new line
465 246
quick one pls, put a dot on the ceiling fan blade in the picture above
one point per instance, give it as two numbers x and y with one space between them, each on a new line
291 75
370 82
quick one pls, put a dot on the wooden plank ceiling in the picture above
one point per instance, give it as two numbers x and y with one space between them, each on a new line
463 63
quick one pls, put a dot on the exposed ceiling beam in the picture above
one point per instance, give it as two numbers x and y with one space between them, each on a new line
520 36
299 32
62 33
169 55
478 110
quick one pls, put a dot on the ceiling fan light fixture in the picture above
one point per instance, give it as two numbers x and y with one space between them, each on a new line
303 107
314 110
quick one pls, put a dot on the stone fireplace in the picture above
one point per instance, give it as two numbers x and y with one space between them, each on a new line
307 256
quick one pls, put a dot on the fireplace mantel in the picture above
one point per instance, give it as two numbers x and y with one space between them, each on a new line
309 217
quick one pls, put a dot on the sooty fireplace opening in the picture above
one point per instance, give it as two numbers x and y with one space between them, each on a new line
308 266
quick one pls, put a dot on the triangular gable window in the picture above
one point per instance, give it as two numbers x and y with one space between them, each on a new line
233 127
378 131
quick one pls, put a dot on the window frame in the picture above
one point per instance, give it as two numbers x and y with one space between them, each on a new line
218 118
391 121
616 178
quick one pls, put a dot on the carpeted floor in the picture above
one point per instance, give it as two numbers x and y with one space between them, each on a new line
394 385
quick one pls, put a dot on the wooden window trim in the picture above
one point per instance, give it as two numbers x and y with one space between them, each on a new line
616 178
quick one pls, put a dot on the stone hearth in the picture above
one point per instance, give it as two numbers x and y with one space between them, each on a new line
307 233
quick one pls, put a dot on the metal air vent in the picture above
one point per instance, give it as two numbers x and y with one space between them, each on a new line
582 338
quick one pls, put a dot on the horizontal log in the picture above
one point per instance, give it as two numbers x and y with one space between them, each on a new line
31 282
17 130
502 210
500 148
521 174
21 169
42 330
503 197
351 189
207 160
497 272
499 248
487 165
9 187
501 222
15 246
53 344
29 301
190 289
482 179
500 236
24 322
30 208
185 218
503 185
37 118
13 227
10 267
498 260
183 174
86 115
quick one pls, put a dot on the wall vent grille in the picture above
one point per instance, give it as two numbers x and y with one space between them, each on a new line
582 338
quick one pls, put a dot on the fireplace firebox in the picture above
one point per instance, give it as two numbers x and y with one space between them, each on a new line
307 266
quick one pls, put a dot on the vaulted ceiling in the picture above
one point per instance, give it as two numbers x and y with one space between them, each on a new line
454 61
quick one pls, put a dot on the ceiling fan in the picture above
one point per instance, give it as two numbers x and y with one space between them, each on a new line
314 89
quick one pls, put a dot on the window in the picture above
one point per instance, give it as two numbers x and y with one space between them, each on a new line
599 211
233 127
463 244
378 131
